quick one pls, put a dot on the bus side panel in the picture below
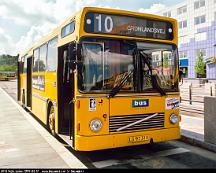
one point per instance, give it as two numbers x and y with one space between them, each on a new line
18 81
51 86
40 98
23 86
39 107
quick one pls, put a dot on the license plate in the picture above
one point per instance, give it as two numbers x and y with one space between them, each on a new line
134 139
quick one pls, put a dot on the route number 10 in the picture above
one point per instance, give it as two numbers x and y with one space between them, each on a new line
108 23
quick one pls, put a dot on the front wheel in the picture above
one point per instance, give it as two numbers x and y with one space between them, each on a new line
51 121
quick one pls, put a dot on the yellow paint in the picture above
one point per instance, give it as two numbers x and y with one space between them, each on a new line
120 105
84 143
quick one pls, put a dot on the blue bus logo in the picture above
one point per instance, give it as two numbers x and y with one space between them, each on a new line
140 103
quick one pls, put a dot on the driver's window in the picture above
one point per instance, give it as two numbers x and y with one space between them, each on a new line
92 65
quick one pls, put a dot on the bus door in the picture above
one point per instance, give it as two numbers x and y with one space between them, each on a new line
19 69
66 92
29 82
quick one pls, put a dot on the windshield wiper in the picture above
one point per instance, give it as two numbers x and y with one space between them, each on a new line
155 84
117 88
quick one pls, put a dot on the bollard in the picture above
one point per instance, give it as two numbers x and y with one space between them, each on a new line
210 120
190 94
211 94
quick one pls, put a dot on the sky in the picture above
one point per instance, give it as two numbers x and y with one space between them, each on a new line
22 22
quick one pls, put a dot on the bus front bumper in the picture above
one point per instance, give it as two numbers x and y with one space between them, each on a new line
114 140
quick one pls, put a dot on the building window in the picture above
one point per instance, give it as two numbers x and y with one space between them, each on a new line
182 24
183 54
200 36
183 40
215 34
52 55
182 10
167 14
203 51
200 19
199 4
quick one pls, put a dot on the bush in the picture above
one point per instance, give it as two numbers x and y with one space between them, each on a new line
200 66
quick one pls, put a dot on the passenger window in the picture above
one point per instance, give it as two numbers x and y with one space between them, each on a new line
68 29
52 55
25 64
42 60
36 60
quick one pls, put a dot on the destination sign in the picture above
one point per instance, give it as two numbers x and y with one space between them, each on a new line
127 26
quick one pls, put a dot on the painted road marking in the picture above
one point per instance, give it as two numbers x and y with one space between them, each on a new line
105 163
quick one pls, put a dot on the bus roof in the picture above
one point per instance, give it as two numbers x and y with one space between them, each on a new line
83 11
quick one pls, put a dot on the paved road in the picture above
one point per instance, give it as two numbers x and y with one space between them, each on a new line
173 154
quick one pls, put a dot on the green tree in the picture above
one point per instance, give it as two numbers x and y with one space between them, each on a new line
200 66
166 61
8 63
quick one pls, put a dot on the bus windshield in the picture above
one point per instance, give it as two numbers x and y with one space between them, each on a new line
106 63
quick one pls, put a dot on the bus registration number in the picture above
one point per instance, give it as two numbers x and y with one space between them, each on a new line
133 139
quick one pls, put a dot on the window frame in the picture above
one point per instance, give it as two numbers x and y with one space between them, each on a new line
45 44
198 36
47 64
38 48
182 24
65 34
199 19
182 10
199 3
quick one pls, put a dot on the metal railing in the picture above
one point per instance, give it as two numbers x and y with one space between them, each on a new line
196 92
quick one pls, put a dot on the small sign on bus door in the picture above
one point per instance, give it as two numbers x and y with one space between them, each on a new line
92 104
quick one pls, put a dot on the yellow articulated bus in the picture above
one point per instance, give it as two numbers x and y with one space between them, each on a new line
7 75
105 78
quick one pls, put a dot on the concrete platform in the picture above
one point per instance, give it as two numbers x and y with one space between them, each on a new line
192 132
24 143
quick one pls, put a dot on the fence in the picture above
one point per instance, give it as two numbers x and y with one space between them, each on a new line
192 97
195 93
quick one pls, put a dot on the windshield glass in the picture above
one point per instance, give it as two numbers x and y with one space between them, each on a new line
163 65
106 63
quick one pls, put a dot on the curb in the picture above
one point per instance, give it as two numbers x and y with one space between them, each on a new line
66 155
198 143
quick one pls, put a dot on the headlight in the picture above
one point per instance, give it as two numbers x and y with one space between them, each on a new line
173 118
95 125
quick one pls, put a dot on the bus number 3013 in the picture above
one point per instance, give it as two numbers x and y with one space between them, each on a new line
108 23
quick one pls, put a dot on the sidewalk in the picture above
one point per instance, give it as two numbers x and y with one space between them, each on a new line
24 143
192 131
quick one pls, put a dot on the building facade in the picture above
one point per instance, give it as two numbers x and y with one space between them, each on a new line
197 34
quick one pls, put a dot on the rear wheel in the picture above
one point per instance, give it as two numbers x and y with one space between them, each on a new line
51 120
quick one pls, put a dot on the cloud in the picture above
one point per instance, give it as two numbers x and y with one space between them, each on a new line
39 17
6 43
154 9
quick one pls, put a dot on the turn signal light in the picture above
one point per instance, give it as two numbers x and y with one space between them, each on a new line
78 104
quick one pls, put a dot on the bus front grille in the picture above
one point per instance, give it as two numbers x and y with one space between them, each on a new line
117 123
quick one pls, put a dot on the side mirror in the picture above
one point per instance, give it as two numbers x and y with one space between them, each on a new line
72 55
